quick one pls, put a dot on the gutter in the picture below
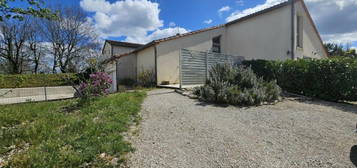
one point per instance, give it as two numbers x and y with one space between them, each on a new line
292 29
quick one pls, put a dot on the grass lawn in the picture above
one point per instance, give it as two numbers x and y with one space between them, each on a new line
48 134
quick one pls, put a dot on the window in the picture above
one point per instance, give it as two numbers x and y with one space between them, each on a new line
300 33
216 44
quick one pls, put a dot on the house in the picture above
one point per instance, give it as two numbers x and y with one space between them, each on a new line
285 31
113 48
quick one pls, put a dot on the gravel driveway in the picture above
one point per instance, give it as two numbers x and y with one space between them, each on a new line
179 132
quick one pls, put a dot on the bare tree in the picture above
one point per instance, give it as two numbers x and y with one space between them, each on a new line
35 45
70 36
14 35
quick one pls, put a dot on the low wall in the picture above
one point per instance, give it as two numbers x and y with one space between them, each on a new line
20 95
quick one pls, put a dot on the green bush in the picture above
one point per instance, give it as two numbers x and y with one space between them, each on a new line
36 80
238 86
330 79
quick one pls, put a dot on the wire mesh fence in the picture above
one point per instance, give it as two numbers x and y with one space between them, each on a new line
22 95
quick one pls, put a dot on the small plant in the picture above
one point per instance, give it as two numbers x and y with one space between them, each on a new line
147 78
97 85
238 86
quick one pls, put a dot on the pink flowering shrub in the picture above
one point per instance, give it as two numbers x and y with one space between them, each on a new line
97 85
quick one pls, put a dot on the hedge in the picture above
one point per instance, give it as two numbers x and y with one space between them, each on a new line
36 80
330 79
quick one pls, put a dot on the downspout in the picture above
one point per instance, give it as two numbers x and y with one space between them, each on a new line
116 70
292 29
155 50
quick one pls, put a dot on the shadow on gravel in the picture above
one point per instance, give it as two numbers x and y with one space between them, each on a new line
353 155
346 107
204 104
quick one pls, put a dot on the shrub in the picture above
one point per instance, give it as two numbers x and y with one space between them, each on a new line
97 85
85 75
36 80
147 78
238 86
330 79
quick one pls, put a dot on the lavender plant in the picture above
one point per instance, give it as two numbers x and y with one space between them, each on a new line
238 86
97 85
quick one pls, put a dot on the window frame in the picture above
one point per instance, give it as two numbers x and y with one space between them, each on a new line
300 31
216 45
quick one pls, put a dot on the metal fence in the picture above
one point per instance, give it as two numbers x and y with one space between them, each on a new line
194 65
22 95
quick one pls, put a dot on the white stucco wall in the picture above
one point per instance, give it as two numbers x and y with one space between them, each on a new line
312 46
267 36
168 52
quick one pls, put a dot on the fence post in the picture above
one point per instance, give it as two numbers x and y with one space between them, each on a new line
45 93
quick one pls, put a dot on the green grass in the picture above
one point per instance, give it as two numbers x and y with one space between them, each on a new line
48 135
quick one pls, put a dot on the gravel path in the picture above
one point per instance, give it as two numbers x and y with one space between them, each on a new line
178 132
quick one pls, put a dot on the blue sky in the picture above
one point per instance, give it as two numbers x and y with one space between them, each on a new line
190 16
145 20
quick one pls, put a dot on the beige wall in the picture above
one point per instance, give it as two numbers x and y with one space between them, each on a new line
146 60
122 68
312 46
110 69
117 50
168 52
107 51
126 67
267 36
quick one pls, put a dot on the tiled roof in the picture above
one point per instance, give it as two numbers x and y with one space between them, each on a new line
124 44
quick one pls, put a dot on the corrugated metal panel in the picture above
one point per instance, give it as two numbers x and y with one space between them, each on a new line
194 65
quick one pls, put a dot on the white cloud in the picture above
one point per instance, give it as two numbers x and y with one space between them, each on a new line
240 2
342 38
158 34
172 24
238 14
130 18
224 9
335 19
95 5
209 21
